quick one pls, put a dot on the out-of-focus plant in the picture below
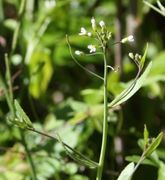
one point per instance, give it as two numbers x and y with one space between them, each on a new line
160 9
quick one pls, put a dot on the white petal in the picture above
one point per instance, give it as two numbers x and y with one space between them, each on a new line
102 23
89 34
130 38
78 52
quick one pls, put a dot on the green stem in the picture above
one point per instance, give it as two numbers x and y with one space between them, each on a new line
105 122
29 157
17 30
154 8
137 165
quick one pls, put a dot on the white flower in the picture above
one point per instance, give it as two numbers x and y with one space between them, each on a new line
102 24
130 38
127 39
89 34
93 22
79 53
82 31
92 48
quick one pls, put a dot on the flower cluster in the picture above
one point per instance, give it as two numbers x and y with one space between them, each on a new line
135 57
102 34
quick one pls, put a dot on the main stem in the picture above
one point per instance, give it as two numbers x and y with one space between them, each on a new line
105 124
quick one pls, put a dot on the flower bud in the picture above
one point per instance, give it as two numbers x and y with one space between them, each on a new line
93 22
102 24
78 53
83 31
131 55
127 39
89 34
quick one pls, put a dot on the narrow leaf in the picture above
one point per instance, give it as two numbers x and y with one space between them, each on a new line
135 86
21 116
136 159
77 156
146 136
127 172
154 145
142 61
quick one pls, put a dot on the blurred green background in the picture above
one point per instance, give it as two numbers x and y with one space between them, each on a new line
59 96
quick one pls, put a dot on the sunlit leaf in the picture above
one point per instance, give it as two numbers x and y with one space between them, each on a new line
142 60
161 172
146 136
136 159
41 71
127 172
155 143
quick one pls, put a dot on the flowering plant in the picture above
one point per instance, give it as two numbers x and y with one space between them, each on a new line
103 37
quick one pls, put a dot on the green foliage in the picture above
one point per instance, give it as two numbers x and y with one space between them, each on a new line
132 88
58 98
40 69
154 144
149 155
21 119
126 173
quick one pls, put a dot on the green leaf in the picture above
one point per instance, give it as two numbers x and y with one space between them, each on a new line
22 120
132 89
146 136
127 172
161 171
142 61
77 156
155 143
136 159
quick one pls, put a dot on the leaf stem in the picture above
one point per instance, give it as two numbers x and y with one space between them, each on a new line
105 122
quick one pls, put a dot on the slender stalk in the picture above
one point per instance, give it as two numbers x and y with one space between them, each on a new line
17 30
154 8
105 122
29 157
137 165
8 77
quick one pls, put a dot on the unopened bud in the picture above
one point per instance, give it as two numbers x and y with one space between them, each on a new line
127 39
131 55
93 22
